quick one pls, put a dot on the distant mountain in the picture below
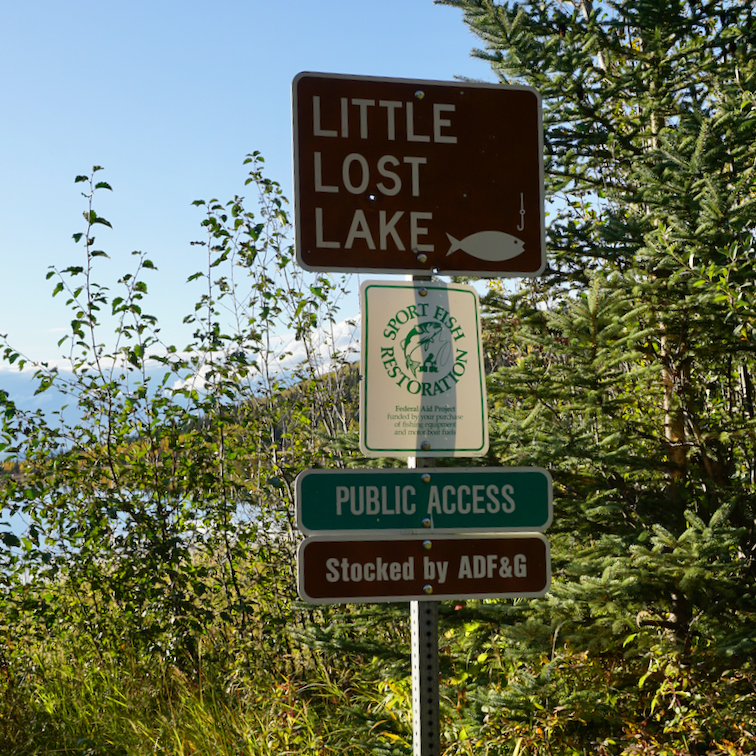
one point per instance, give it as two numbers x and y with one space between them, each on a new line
21 387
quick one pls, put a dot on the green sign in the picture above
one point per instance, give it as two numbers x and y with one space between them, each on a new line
414 501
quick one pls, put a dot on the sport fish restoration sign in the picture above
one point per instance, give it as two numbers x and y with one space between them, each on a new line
423 390
374 570
424 500
408 176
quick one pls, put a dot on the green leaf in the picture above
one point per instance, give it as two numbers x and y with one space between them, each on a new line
93 218
10 539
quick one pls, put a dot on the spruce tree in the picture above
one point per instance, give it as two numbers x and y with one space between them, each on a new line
627 370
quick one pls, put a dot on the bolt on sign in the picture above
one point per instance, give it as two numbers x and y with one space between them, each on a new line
421 501
408 176
423 390
441 567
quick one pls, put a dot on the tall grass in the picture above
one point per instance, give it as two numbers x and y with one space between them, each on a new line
67 699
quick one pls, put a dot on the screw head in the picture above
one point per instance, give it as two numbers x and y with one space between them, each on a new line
423 292
426 522
428 589
426 478
427 545
425 446
419 94
422 258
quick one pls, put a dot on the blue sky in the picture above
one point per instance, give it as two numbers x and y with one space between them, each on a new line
169 97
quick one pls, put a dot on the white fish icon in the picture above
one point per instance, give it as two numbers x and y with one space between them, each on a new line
488 245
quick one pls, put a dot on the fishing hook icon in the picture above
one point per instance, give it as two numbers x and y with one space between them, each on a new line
521 226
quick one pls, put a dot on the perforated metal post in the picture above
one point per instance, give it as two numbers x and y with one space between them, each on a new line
425 724
425 672
424 642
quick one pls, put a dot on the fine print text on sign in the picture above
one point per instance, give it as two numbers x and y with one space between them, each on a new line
421 501
410 176
441 567
423 385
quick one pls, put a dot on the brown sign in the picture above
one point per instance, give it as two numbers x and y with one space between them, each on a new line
379 569
406 176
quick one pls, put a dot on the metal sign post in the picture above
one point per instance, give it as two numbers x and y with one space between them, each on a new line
425 673
426 740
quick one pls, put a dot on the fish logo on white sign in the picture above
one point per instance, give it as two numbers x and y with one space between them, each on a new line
424 352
